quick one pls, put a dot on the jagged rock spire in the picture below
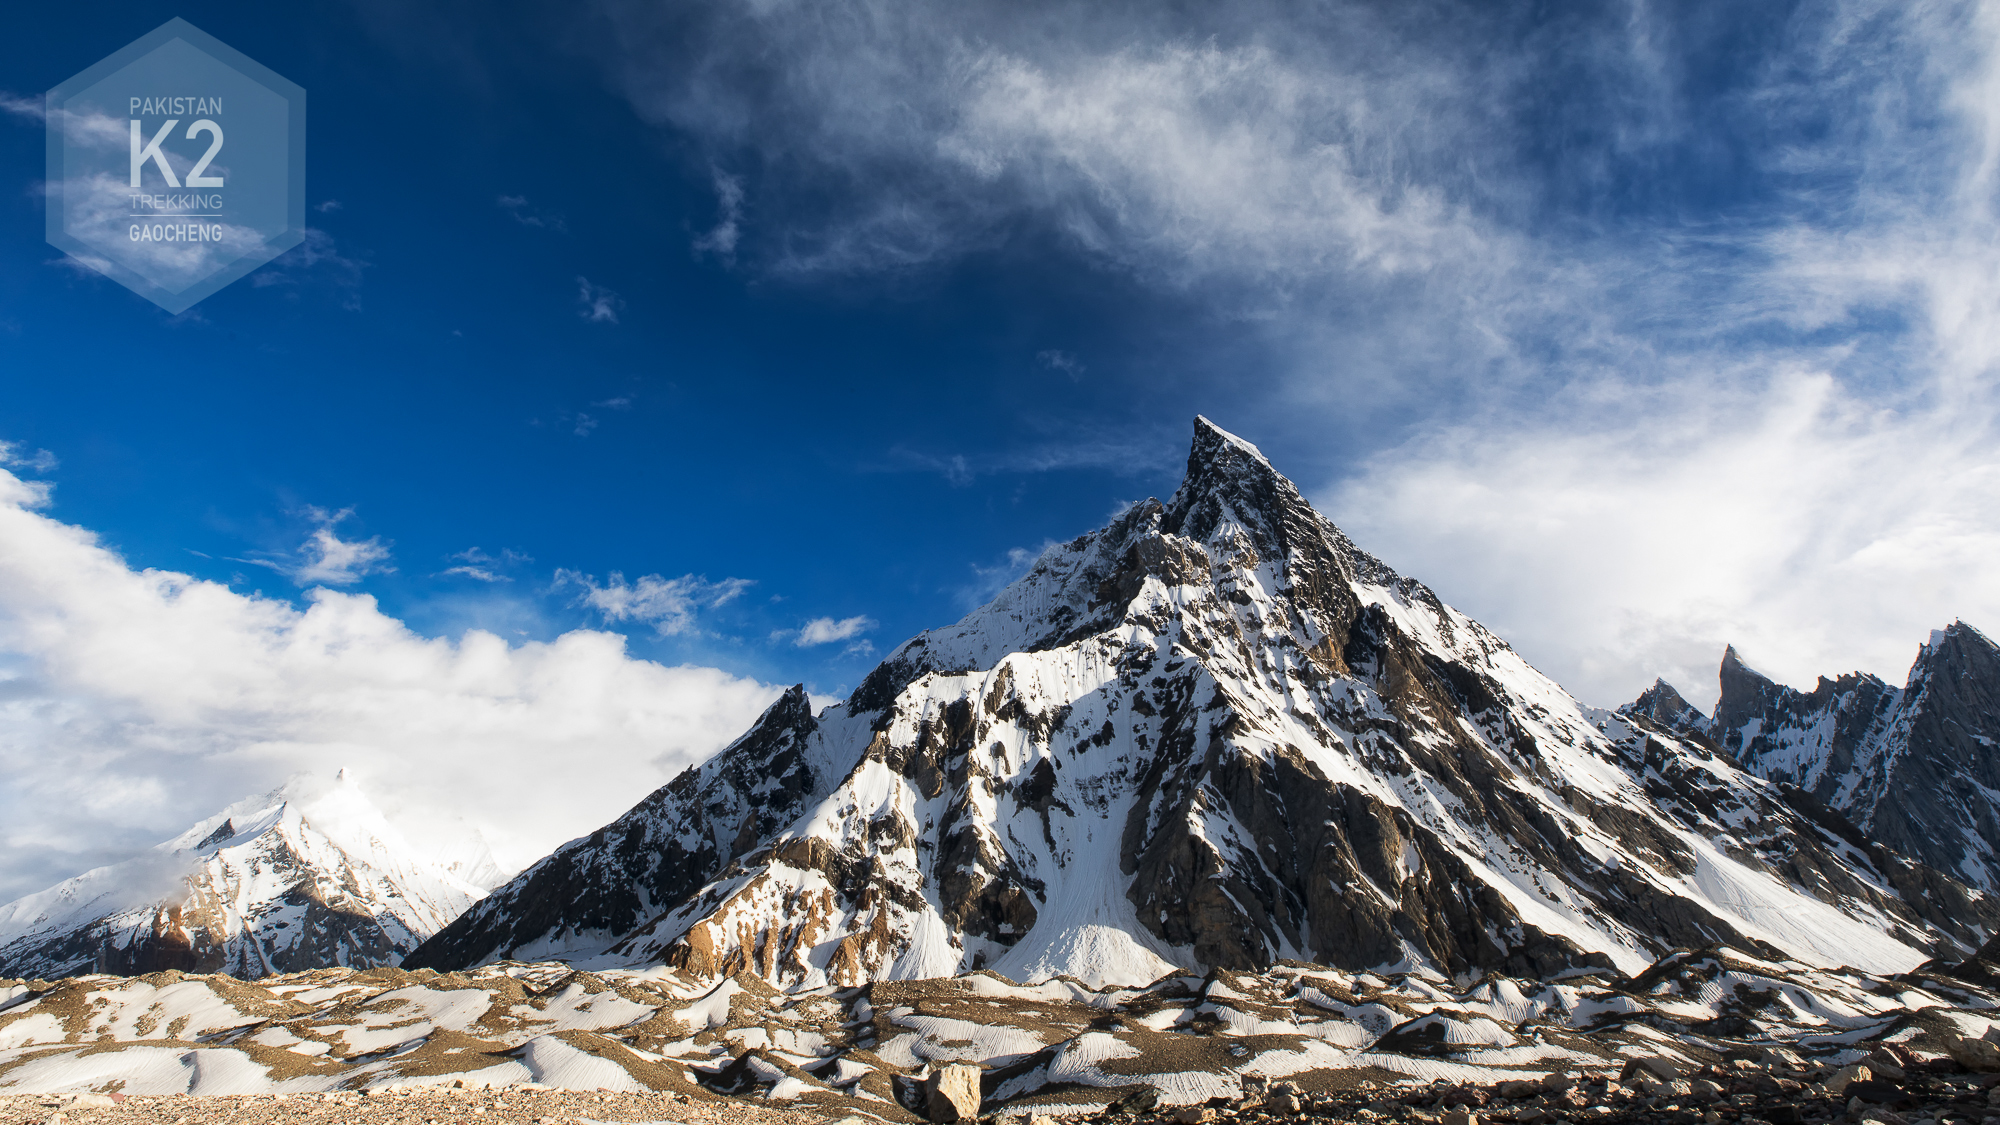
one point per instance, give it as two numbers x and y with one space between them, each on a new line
1912 766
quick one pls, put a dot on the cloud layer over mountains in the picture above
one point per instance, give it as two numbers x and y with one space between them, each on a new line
134 702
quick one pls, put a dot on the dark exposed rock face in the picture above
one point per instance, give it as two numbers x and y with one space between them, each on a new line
1914 768
1813 739
1215 734
593 890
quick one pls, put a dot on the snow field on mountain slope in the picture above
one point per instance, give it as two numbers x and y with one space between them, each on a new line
1809 929
1527 887
1085 926
1757 903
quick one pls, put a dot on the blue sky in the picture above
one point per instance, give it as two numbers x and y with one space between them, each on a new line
1635 330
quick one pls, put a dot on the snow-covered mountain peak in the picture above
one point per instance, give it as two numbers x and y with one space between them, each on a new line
1222 466
1212 734
308 875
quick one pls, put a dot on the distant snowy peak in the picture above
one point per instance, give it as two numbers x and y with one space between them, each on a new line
1917 768
308 876
470 859
1212 734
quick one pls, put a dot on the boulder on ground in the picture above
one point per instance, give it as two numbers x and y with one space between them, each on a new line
1887 1066
1659 1067
1781 1057
1284 1103
951 1093
1141 1100
1976 1054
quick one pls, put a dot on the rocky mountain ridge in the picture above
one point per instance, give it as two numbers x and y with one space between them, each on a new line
1214 734
308 876
1916 768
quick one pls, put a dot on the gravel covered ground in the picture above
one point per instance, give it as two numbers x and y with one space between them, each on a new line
433 1106
1897 1090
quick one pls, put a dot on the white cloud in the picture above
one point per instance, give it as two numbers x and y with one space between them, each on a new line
1063 447
1058 360
1816 533
327 559
518 208
12 455
95 130
98 208
670 604
894 135
720 239
134 701
31 109
600 305
477 564
826 630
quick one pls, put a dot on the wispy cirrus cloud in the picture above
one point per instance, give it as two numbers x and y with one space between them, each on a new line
1148 451
476 564
518 208
1056 359
988 580
1498 252
325 559
670 605
721 239
13 455
319 257
599 305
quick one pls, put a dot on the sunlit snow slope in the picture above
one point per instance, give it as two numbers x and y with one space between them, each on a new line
309 876
1212 734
